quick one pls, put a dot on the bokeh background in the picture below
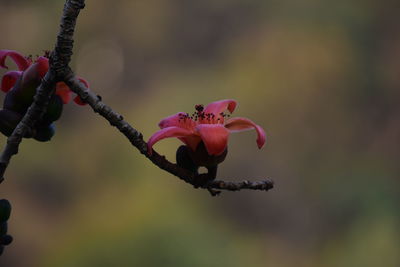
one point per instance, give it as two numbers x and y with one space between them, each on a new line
322 77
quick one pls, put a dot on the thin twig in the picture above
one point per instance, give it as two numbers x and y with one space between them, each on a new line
232 186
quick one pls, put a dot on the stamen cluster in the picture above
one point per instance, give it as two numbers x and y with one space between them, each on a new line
200 116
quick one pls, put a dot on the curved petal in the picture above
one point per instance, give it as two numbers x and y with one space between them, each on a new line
9 79
77 99
42 66
220 106
63 91
242 124
179 119
82 80
166 133
214 136
191 141
22 62
36 71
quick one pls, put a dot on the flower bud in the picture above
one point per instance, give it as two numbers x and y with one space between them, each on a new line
8 121
200 156
184 160
5 210
6 240
44 133
54 110
3 228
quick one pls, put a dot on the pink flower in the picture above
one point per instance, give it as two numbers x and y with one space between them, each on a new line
29 70
209 124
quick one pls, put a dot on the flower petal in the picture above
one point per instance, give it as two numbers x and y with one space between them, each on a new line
22 62
220 106
242 124
214 136
85 83
191 141
9 79
42 66
77 99
166 133
63 91
180 119
35 72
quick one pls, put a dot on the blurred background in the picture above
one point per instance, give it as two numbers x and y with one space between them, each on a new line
322 78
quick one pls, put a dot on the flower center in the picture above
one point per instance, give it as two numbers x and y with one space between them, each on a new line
184 116
202 117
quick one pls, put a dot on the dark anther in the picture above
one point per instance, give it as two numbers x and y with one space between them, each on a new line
46 53
199 107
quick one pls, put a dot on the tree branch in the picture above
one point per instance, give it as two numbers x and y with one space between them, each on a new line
60 71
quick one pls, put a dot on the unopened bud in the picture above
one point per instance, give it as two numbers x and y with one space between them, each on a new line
5 210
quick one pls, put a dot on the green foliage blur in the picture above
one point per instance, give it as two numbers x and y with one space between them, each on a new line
322 78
